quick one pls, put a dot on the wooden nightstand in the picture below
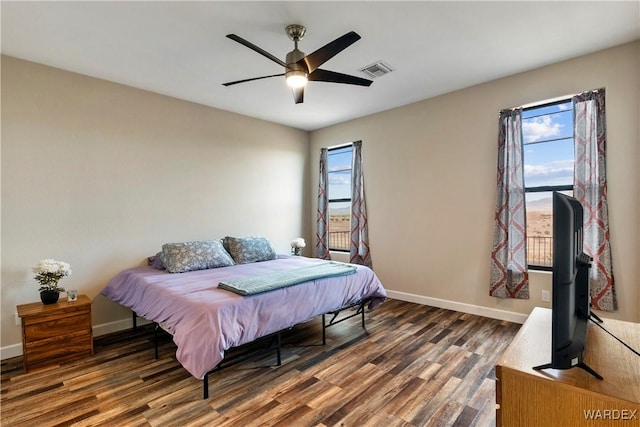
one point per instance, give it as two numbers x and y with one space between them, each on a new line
56 332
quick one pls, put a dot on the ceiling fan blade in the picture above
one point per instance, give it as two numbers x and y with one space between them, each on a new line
321 75
256 49
251 79
298 94
328 51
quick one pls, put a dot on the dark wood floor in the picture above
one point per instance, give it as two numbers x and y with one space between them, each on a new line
414 366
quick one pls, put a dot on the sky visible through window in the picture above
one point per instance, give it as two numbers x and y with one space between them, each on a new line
547 136
339 171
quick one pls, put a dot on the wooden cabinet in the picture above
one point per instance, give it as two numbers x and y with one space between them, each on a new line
526 397
55 333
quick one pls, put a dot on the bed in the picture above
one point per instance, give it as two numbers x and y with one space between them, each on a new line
205 320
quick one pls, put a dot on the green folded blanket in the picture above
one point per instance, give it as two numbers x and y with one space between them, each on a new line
282 279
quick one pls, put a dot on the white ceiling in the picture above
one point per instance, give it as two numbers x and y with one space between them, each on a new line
180 49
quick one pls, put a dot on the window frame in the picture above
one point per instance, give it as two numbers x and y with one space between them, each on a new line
545 188
337 200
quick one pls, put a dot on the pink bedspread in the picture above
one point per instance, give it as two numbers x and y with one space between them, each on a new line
205 321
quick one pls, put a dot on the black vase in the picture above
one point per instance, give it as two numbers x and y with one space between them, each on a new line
49 297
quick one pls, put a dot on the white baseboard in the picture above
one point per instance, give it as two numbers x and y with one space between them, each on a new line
107 328
492 313
15 350
10 351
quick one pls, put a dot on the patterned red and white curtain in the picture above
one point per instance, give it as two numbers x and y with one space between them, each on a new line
322 224
359 252
509 277
590 188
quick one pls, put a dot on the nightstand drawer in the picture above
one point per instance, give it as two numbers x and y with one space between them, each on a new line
57 326
58 349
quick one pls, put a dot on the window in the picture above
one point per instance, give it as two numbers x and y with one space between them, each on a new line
339 162
548 151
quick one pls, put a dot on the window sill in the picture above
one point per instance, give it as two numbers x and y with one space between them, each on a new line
543 272
342 256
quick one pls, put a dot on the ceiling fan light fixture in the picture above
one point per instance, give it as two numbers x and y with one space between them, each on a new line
296 78
300 68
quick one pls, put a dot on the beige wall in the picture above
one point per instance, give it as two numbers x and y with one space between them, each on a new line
430 171
101 175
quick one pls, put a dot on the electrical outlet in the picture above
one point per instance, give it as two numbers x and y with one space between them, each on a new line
18 322
546 296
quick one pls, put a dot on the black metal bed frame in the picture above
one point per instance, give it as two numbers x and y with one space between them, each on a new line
274 337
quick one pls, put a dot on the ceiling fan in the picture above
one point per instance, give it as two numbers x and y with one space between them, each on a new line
300 68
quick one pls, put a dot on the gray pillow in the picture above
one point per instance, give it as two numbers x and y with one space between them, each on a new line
191 256
155 261
249 249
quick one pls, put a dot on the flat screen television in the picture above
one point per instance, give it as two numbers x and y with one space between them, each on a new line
570 301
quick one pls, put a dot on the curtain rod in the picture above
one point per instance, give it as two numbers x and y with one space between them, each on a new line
550 101
346 144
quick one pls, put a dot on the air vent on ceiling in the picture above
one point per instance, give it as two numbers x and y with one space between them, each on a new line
376 69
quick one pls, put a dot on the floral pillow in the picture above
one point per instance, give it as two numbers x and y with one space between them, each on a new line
191 256
249 249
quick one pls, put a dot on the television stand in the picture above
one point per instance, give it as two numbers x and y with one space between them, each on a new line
526 397
581 365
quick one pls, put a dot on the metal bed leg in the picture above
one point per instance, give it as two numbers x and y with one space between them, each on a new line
279 347
205 386
155 340
205 379
135 321
324 334
360 310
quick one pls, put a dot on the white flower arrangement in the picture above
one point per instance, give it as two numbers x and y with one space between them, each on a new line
297 245
49 272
